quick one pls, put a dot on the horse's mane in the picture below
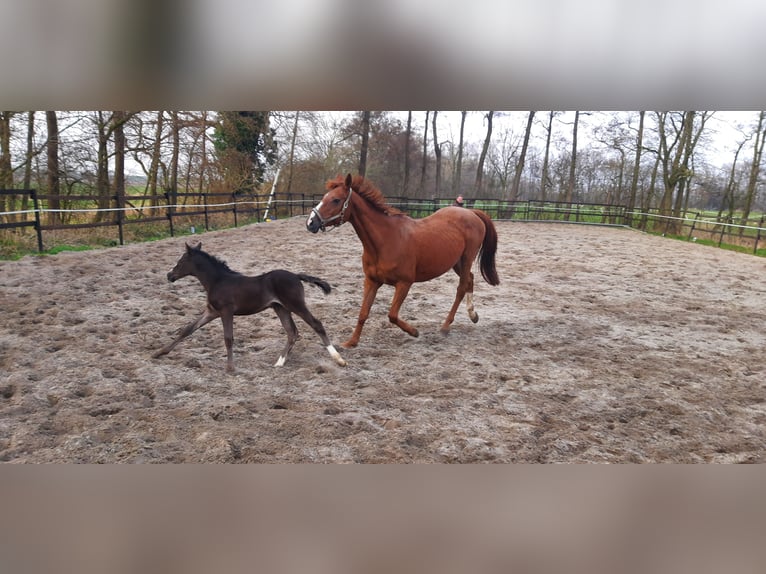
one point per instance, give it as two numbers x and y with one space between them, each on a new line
367 190
219 264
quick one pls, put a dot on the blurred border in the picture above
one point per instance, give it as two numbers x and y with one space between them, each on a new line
339 54
417 518
229 54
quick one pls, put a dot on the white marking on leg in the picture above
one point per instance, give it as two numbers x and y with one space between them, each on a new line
469 305
280 361
336 355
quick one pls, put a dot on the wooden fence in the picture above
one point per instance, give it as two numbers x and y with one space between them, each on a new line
186 212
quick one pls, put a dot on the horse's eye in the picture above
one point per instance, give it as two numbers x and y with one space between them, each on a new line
336 201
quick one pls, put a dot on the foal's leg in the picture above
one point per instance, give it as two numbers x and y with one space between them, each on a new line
206 317
370 290
302 311
401 290
227 318
292 331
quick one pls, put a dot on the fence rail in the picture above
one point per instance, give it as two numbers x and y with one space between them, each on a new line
181 211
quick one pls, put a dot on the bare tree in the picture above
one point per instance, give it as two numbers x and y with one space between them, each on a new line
53 166
727 201
456 183
171 179
522 158
291 158
407 140
636 162
544 178
572 162
365 143
437 156
755 167
118 119
483 156
6 171
425 157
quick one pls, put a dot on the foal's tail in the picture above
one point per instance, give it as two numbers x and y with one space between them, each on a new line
324 285
488 250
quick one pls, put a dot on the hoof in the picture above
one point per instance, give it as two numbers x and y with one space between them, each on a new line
349 344
475 317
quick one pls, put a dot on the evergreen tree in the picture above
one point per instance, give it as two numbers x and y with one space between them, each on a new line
245 146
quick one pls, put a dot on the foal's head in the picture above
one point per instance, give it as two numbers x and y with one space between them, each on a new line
185 265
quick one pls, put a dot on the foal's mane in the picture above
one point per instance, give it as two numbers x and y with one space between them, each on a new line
218 264
367 190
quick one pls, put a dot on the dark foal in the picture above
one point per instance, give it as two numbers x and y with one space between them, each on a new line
230 293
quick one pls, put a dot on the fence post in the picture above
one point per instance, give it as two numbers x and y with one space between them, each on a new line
234 208
696 215
758 234
119 200
38 228
169 213
723 229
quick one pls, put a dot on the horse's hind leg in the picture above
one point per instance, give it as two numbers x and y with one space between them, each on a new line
292 332
227 318
464 290
468 292
302 311
206 317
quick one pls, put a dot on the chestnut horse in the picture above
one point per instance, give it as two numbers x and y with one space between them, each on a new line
400 250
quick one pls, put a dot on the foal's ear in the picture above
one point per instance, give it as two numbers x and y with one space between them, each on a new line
197 247
348 180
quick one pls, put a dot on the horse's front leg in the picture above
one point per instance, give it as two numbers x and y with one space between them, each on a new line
370 290
227 318
400 293
206 317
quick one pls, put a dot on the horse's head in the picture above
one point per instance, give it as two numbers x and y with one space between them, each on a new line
184 266
332 209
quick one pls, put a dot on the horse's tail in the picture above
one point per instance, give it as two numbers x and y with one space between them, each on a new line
488 250
324 285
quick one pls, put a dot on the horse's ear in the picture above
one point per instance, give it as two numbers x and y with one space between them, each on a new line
348 180
191 248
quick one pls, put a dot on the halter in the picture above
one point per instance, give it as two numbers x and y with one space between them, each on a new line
323 222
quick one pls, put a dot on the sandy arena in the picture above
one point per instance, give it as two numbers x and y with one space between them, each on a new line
599 345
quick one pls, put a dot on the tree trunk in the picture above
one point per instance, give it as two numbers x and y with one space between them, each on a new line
727 201
425 159
30 154
636 165
456 183
438 156
755 168
118 123
176 137
522 158
483 156
291 160
52 147
573 162
544 178
154 165
102 166
407 140
365 143
6 171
